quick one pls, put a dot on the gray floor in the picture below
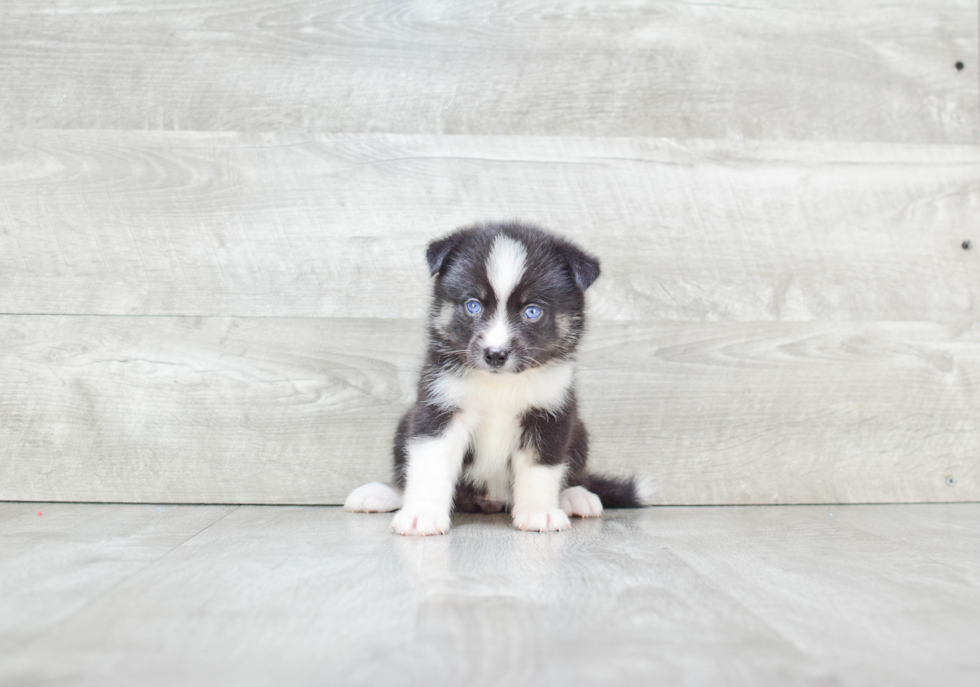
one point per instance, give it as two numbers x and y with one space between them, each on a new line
768 595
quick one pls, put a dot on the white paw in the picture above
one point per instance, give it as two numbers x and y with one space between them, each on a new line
373 498
542 520
581 502
420 519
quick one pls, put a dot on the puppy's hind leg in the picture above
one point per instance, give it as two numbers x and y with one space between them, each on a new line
374 497
580 502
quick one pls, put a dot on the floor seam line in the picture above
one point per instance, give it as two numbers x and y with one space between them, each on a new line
118 584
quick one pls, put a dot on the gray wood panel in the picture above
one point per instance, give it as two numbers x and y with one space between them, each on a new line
757 596
266 410
96 551
842 70
336 226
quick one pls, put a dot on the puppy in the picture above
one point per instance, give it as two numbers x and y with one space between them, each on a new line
496 424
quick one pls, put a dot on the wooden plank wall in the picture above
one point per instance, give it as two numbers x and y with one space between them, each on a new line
213 216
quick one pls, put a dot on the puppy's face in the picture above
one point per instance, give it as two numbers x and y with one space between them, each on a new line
507 298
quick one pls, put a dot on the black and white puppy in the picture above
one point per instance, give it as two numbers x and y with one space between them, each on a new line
496 423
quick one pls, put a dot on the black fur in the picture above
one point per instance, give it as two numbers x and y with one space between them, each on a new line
556 276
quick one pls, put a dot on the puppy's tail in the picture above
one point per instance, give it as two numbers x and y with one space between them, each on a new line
621 492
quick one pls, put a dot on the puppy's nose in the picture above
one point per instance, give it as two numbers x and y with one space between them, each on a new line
495 357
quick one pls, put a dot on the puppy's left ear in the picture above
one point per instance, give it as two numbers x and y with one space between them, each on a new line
439 250
585 268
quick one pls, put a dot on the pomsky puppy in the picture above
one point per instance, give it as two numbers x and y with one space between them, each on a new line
496 425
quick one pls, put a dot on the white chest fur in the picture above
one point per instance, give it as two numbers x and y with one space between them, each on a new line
490 407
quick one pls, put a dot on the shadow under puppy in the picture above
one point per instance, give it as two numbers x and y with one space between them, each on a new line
496 423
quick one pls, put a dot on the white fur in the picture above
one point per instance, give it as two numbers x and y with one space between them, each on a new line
564 325
421 519
647 491
374 497
544 387
489 422
496 403
581 502
505 266
553 520
498 334
536 494
432 470
494 440
445 317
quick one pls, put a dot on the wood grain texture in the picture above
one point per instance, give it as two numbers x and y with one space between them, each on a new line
842 70
191 410
757 596
95 552
290 225
266 410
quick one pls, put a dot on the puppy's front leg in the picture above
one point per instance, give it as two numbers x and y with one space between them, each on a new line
536 492
431 471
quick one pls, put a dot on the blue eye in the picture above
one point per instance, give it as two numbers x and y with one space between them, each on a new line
473 306
532 312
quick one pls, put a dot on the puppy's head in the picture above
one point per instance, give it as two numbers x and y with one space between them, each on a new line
507 297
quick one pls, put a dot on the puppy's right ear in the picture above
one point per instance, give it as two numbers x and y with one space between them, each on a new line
439 250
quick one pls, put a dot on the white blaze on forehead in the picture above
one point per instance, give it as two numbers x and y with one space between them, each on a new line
505 267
